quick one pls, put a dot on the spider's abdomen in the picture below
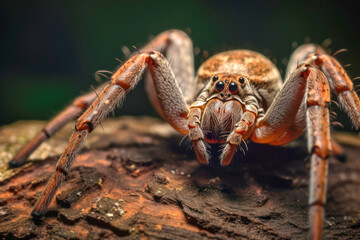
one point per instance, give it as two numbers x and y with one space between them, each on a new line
219 119
262 73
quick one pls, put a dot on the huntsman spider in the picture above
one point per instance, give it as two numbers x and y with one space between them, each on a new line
238 92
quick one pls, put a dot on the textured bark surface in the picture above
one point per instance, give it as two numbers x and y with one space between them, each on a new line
133 180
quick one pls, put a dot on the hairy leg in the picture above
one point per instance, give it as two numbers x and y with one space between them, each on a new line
170 98
319 146
340 84
71 112
329 74
317 99
178 48
302 55
283 110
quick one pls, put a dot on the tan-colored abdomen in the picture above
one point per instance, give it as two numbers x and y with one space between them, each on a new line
263 74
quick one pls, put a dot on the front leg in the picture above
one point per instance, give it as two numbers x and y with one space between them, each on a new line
284 109
341 85
170 97
316 98
179 52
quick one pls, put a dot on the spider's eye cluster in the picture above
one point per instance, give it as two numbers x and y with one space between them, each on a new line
233 87
220 86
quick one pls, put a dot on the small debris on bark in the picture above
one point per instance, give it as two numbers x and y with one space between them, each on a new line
88 180
133 180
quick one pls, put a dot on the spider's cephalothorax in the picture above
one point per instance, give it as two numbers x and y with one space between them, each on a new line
236 95
239 87
223 106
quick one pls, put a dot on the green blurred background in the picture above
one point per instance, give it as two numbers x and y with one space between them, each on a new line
50 50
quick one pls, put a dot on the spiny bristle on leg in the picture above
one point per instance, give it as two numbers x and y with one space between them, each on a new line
339 51
351 104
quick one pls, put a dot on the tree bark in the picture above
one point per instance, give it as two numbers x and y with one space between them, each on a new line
133 180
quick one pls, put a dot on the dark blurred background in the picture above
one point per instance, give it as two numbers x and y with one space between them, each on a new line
50 50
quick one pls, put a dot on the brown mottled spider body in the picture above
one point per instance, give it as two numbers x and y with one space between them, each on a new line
236 95
224 107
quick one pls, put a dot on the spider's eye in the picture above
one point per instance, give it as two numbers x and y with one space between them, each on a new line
215 78
220 86
242 80
233 87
